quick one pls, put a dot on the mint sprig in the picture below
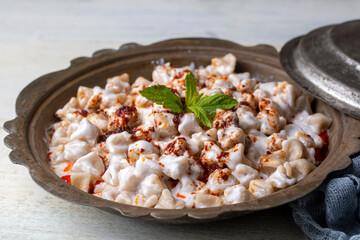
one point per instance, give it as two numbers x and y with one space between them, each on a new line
203 107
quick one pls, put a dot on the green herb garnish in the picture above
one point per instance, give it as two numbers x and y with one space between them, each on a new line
203 107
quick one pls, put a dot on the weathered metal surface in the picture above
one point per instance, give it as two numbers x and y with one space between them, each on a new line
326 62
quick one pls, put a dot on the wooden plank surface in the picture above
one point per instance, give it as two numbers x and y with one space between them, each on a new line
37 37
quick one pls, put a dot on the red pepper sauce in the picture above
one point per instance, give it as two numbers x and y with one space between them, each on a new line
68 167
66 178
320 153
180 196
92 186
49 156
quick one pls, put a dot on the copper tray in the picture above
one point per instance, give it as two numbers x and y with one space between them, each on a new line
37 103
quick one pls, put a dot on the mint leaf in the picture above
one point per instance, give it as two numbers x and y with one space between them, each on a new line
201 114
162 95
198 97
190 92
217 101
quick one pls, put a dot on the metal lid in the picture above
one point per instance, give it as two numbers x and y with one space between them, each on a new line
326 62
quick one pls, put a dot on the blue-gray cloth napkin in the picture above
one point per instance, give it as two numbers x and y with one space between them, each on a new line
332 210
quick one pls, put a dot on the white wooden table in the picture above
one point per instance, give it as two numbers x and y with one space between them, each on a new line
37 37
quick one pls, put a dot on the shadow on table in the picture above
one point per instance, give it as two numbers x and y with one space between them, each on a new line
275 223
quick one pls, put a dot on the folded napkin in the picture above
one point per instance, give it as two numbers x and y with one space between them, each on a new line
332 210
